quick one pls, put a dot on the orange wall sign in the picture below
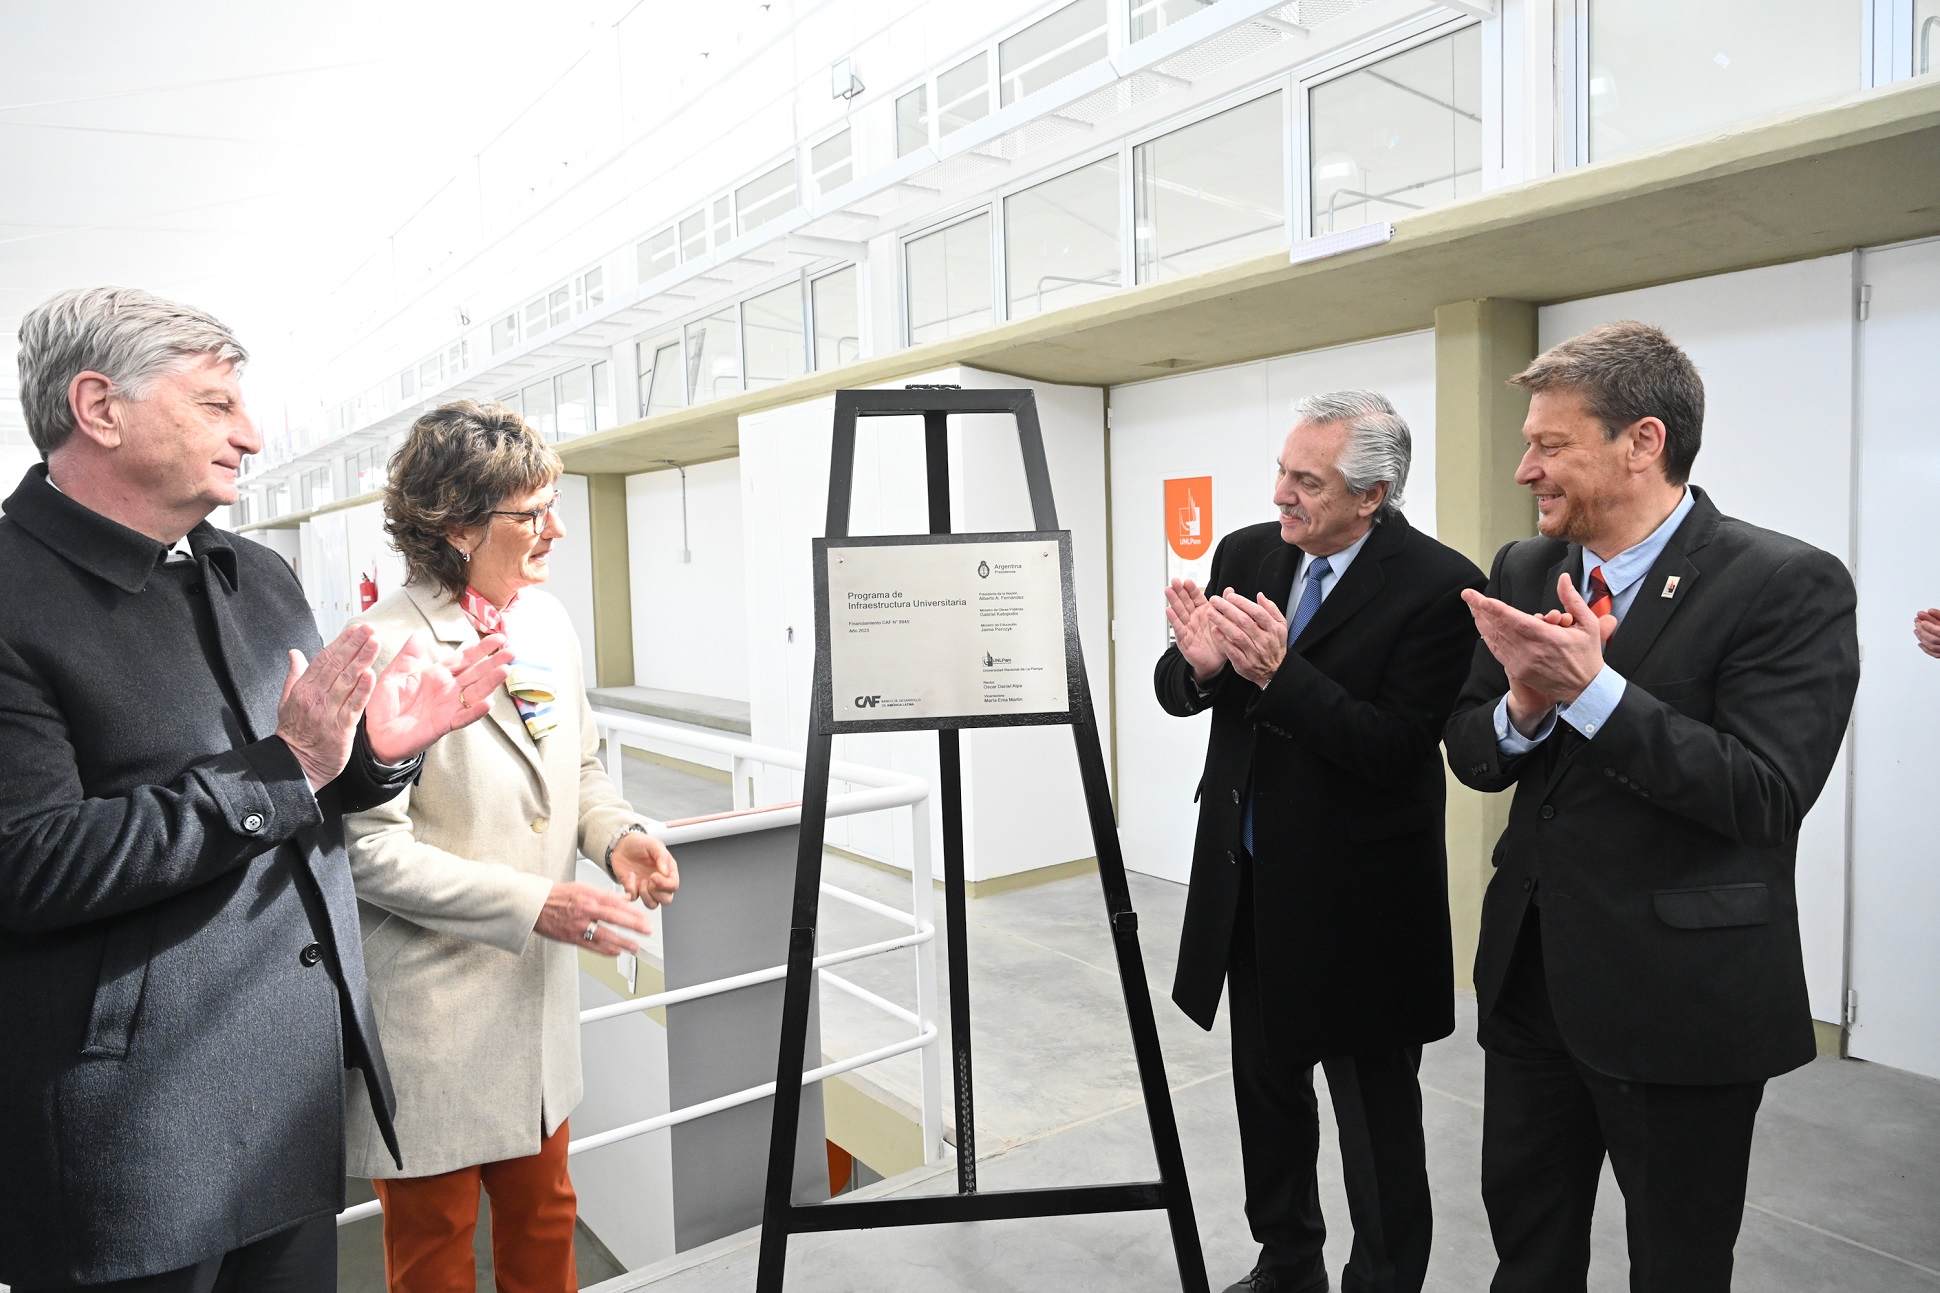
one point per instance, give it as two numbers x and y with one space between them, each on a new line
1189 516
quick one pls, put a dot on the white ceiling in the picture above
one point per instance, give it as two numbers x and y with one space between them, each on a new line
246 156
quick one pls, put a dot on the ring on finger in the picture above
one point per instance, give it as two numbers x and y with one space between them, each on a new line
592 928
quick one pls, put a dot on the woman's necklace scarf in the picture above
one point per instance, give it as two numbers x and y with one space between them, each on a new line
529 682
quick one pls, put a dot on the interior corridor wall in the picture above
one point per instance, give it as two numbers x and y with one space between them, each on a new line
1023 804
690 619
1775 349
1228 424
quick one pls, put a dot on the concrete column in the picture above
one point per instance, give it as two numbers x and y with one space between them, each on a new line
606 542
1479 345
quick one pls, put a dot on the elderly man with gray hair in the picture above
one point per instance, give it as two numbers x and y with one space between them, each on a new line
1330 658
181 979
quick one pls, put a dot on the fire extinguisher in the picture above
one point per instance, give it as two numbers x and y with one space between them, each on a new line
367 593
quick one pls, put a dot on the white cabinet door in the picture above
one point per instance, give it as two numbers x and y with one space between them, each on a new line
1895 947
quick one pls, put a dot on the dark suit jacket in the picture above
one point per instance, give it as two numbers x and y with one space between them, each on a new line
1662 851
181 982
1350 877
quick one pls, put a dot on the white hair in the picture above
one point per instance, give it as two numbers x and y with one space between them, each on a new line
127 335
1378 444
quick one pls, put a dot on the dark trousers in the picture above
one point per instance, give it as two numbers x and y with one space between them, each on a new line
1680 1154
1377 1103
302 1259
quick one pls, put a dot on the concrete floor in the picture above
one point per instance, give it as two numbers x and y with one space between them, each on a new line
1844 1191
1845 1180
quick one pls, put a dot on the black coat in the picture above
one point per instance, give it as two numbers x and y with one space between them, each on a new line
1350 873
1663 849
181 983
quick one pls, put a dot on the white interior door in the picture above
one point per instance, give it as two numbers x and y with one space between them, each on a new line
1895 957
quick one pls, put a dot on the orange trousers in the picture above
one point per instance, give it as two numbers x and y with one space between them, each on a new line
429 1222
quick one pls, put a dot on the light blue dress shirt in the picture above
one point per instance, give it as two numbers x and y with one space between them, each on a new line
1624 574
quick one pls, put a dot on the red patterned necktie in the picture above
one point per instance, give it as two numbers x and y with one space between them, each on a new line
1599 599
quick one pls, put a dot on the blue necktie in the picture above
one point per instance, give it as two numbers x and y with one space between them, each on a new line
1302 614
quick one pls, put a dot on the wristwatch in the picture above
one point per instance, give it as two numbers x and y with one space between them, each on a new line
635 829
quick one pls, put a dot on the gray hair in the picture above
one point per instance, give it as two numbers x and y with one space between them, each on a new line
1378 444
127 335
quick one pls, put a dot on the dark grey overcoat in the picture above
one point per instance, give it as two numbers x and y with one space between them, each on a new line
181 984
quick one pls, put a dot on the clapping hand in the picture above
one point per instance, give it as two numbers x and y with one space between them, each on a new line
1548 658
645 869
1926 631
322 701
1252 635
1187 611
424 694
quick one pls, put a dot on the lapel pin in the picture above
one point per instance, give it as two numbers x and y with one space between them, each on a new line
1670 585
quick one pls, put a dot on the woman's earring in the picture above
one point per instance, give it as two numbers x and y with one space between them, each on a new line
464 556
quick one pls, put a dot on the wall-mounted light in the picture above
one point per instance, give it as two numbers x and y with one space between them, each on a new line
843 82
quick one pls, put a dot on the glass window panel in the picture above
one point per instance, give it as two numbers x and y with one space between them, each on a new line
1399 136
1051 49
663 384
831 163
536 316
407 383
913 121
561 302
575 412
693 237
592 288
515 401
771 328
714 356
505 333
1152 16
602 396
658 254
1660 69
949 280
1926 37
1212 192
1061 240
963 94
721 227
538 410
838 321
458 358
429 373
766 197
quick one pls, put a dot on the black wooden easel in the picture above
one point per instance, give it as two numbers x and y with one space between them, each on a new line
781 1217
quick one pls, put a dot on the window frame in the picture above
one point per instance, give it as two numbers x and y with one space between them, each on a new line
1306 81
984 206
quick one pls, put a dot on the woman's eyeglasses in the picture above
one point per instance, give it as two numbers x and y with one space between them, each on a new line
536 518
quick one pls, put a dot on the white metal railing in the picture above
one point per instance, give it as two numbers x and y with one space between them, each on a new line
872 790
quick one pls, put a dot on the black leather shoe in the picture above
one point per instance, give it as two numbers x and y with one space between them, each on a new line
1265 1279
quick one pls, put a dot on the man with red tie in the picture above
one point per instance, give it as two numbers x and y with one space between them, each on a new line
1639 974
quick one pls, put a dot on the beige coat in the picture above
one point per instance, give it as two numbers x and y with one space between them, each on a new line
479 1016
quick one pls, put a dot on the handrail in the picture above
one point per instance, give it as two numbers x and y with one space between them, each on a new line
880 789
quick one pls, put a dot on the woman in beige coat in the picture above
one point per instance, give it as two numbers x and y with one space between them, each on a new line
471 916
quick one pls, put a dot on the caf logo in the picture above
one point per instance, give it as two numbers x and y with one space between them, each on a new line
988 660
983 570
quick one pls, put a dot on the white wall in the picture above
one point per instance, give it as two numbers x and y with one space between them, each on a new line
15 459
1228 424
1775 348
1895 884
690 620
1023 805
337 549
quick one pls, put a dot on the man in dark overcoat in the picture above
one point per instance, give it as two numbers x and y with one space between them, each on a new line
181 983
1319 892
